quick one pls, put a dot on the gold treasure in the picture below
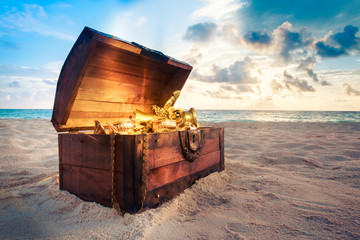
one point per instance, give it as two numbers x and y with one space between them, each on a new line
163 119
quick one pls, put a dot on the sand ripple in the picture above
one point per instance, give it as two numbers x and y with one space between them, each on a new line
282 181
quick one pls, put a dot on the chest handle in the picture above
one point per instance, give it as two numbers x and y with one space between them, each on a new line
190 144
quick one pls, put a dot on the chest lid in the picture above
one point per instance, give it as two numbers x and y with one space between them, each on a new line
105 78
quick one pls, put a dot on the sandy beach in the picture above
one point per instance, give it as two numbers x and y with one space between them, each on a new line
281 181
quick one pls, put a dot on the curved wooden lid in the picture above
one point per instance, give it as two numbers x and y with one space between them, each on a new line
105 78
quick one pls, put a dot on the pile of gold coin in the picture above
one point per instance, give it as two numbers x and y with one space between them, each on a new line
163 119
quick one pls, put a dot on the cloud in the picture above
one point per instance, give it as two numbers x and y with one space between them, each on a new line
290 83
293 82
289 41
44 72
325 50
350 91
236 73
26 87
193 57
31 18
226 91
49 82
257 37
221 94
275 86
231 81
335 45
219 9
14 84
283 43
140 21
307 65
201 32
347 38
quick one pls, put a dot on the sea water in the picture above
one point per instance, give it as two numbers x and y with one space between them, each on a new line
277 116
25 113
222 115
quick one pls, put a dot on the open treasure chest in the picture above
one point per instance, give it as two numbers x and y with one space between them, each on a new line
121 141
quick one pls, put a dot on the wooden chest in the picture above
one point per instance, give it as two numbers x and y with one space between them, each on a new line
106 79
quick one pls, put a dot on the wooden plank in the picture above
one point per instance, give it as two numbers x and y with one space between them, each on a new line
176 82
166 192
61 177
60 148
117 66
169 173
118 78
159 157
118 43
88 151
159 140
116 95
138 166
70 77
177 64
90 184
60 161
127 146
98 89
222 152
94 106
110 52
98 115
88 123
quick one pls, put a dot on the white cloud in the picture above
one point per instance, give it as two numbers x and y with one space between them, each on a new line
54 66
140 21
32 18
27 87
217 10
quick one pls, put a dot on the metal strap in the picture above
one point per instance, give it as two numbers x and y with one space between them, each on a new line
114 201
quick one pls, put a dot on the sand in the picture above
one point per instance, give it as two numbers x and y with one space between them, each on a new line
282 181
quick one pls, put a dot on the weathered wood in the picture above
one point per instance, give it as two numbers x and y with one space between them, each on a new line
106 79
105 38
159 157
87 124
113 92
97 182
128 69
107 107
89 151
160 140
222 152
169 173
116 79
85 166
101 69
126 148
110 52
96 115
138 167
177 82
166 192
73 70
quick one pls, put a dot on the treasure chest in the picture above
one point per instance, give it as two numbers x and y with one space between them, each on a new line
105 78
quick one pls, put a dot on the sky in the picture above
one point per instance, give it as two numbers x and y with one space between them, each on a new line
246 54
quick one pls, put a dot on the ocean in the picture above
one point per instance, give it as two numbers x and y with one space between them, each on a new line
222 115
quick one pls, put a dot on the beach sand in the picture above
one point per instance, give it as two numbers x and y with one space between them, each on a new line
281 181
